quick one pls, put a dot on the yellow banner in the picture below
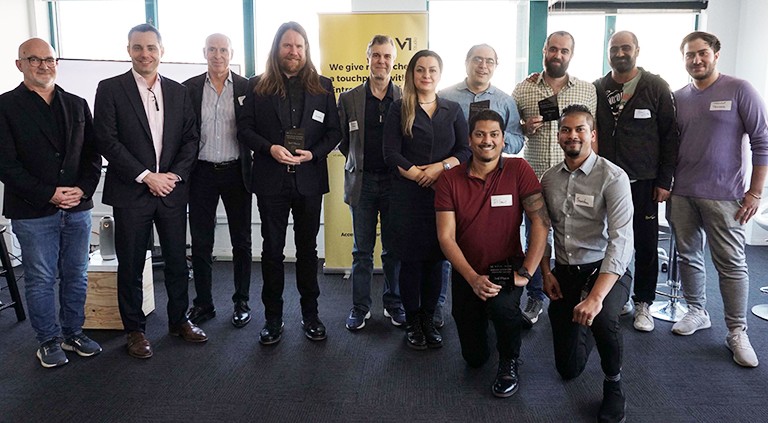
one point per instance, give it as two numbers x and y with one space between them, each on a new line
343 42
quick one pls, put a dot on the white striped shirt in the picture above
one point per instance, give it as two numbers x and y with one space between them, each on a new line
218 126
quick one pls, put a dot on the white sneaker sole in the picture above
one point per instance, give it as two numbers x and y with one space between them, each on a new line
362 325
741 363
70 348
389 316
47 365
691 332
644 327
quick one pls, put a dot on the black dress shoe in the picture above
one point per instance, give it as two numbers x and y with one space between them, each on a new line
198 314
314 329
271 333
612 408
505 384
414 334
431 334
242 314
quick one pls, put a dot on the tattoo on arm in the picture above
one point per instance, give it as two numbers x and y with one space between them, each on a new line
534 205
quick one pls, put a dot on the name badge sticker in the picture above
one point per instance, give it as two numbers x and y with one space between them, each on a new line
720 106
353 126
642 114
241 99
501 200
584 200
318 116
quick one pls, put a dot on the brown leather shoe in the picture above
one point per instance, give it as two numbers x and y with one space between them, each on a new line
138 345
189 332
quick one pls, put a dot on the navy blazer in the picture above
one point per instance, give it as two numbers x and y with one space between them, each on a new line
123 137
260 127
195 87
33 164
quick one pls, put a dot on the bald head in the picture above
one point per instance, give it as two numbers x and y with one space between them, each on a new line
218 52
623 50
37 61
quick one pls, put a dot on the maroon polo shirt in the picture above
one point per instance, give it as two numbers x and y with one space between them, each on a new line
488 212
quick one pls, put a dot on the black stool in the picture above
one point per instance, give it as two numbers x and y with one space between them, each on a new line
6 271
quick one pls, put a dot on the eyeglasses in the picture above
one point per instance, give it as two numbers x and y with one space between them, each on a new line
477 60
36 61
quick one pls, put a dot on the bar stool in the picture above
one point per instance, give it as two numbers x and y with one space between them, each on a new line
673 309
761 310
6 271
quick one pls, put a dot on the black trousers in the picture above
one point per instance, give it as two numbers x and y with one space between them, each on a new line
132 231
274 211
572 341
646 227
420 285
208 183
471 315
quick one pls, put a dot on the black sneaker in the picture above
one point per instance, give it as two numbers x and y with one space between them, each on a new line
314 329
50 354
613 407
81 344
506 382
271 333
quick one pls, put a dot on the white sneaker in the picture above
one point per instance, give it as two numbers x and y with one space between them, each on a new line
627 308
692 321
743 354
643 318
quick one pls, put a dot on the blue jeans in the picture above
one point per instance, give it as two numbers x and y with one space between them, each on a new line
691 218
374 201
536 285
55 247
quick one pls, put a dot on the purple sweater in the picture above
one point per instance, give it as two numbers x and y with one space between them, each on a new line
713 124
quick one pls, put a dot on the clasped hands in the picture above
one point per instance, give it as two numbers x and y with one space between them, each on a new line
283 156
66 197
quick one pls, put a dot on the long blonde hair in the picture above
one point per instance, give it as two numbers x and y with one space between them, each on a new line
410 98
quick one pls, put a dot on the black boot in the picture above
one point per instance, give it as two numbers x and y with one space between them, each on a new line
505 384
432 335
613 405
414 335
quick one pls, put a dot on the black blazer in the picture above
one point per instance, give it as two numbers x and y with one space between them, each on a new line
32 164
123 137
259 127
195 87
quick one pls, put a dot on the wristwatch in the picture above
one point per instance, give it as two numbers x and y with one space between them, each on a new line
446 165
522 271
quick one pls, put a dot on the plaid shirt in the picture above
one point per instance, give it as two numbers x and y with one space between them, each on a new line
541 149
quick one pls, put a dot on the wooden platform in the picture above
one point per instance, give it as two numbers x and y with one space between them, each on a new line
101 310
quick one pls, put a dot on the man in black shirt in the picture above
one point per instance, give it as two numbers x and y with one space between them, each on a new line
291 123
367 182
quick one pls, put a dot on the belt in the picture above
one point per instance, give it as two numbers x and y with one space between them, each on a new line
578 269
222 165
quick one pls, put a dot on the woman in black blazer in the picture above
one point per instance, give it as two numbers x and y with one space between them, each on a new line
423 136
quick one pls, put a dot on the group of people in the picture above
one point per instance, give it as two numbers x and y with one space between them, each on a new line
431 166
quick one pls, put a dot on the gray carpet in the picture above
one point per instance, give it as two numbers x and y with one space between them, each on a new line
371 375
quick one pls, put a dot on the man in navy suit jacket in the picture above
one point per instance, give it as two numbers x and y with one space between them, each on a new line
291 123
145 128
223 170
50 168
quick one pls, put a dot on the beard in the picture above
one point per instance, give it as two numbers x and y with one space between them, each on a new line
555 69
623 64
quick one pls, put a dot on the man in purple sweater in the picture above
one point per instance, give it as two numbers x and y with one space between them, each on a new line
714 113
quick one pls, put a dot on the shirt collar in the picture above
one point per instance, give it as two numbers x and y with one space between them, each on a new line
369 93
143 82
462 86
569 83
499 167
585 167
228 80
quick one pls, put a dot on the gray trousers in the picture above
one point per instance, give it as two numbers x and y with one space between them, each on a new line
691 218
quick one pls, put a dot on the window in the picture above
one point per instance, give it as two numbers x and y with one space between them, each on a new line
97 29
501 24
588 32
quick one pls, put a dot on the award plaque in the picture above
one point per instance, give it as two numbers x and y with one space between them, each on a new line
548 109
294 139
477 107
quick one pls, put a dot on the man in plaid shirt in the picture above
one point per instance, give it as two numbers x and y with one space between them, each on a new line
556 88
